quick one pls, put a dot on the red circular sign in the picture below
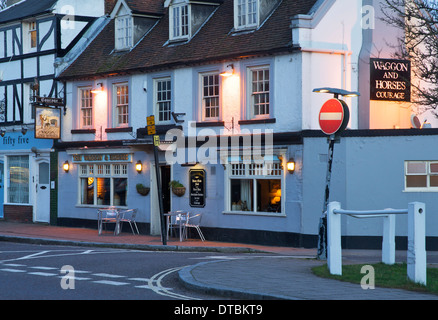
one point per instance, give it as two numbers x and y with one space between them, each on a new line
332 116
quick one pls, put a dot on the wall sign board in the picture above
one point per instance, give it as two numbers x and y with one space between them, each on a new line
47 123
197 188
390 80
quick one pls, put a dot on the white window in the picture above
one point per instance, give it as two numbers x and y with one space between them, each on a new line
421 175
255 186
86 108
32 34
210 96
163 100
18 179
259 92
179 19
245 13
103 184
124 34
121 103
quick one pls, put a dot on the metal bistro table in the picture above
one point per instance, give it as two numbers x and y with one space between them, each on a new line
176 219
108 215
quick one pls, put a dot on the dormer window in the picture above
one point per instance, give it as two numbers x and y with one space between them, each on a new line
179 17
124 34
246 13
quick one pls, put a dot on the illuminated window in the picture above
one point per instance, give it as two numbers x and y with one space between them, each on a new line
163 100
179 19
86 107
421 175
103 184
121 109
255 186
245 13
259 92
124 34
210 96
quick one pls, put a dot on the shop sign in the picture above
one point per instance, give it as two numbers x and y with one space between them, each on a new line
112 157
49 101
47 123
390 80
197 188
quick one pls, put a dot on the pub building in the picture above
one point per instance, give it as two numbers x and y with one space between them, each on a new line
231 92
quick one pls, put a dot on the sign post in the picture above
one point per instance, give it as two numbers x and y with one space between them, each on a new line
151 131
333 119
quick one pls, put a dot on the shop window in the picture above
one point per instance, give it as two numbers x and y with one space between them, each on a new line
421 175
18 182
255 186
103 184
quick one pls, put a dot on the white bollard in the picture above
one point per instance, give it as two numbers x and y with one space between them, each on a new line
334 248
417 242
388 243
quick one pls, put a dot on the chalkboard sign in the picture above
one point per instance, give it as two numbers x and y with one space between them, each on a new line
197 188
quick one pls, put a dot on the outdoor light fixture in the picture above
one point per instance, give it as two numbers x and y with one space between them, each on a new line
229 71
291 166
98 88
139 166
337 92
2 132
66 166
23 130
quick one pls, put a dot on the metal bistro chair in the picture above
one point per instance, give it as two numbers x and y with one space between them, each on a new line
108 215
129 216
176 220
193 222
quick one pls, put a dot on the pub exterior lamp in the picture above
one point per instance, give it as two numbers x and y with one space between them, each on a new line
291 166
229 71
139 166
337 92
66 166
98 88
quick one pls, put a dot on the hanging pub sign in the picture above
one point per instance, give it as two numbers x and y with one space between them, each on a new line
390 80
47 123
197 188
49 101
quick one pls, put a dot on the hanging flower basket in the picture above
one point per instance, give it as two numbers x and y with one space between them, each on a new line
177 188
143 190
179 191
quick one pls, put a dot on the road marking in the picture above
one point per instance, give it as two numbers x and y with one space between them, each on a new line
113 283
107 275
43 268
74 278
32 255
44 274
12 270
13 265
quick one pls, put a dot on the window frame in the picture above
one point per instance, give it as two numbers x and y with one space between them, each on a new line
245 168
124 35
8 179
250 105
427 173
156 101
117 105
202 97
92 170
33 40
238 16
177 24
81 107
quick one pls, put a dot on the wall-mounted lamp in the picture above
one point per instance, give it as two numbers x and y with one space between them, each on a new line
2 132
291 166
66 166
139 166
23 130
98 88
337 92
229 71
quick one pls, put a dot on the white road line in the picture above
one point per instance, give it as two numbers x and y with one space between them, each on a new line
32 255
44 268
44 274
12 270
13 265
74 278
113 283
107 275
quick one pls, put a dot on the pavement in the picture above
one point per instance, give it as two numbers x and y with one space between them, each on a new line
260 272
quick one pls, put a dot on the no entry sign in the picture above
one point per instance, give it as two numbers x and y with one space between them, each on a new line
334 116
